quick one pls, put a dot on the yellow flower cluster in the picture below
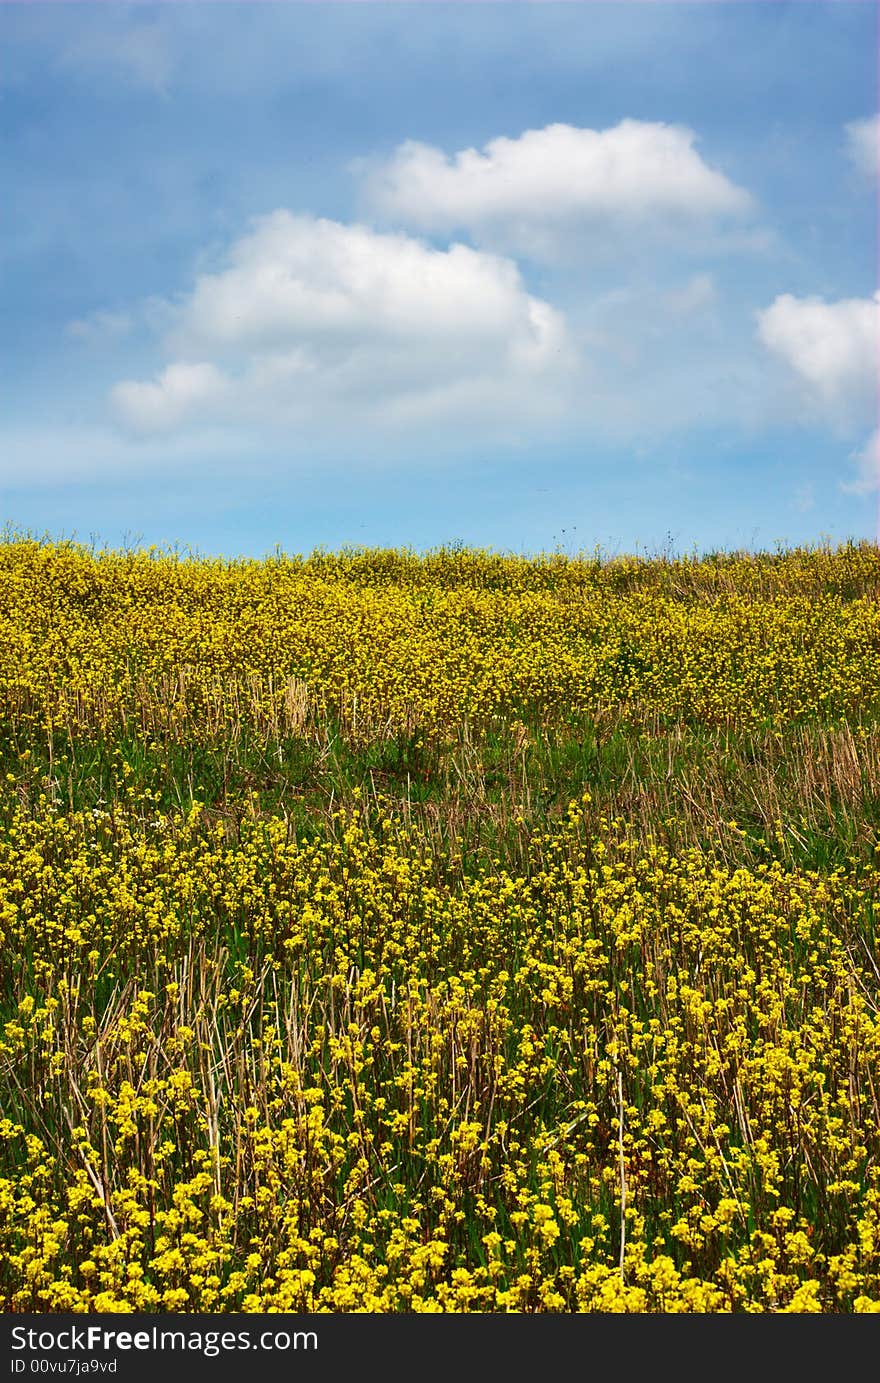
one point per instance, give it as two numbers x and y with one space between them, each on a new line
384 641
254 1072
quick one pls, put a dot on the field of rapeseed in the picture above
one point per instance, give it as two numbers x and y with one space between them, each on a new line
458 932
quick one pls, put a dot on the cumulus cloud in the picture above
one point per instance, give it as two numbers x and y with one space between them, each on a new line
863 144
181 391
553 180
832 346
316 322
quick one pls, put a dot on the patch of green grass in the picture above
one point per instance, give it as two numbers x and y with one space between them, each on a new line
808 795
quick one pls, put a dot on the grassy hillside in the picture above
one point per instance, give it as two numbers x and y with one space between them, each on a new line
450 932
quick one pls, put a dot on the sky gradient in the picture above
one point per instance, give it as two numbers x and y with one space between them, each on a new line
529 276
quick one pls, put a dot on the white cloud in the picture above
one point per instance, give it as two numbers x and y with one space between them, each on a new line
100 326
867 461
863 144
318 323
525 191
140 54
833 346
696 295
181 391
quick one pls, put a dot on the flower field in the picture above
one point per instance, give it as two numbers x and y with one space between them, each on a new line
458 932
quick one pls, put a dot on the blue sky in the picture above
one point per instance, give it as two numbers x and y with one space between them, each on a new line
527 276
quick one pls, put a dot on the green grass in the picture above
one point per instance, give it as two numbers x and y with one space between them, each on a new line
808 795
